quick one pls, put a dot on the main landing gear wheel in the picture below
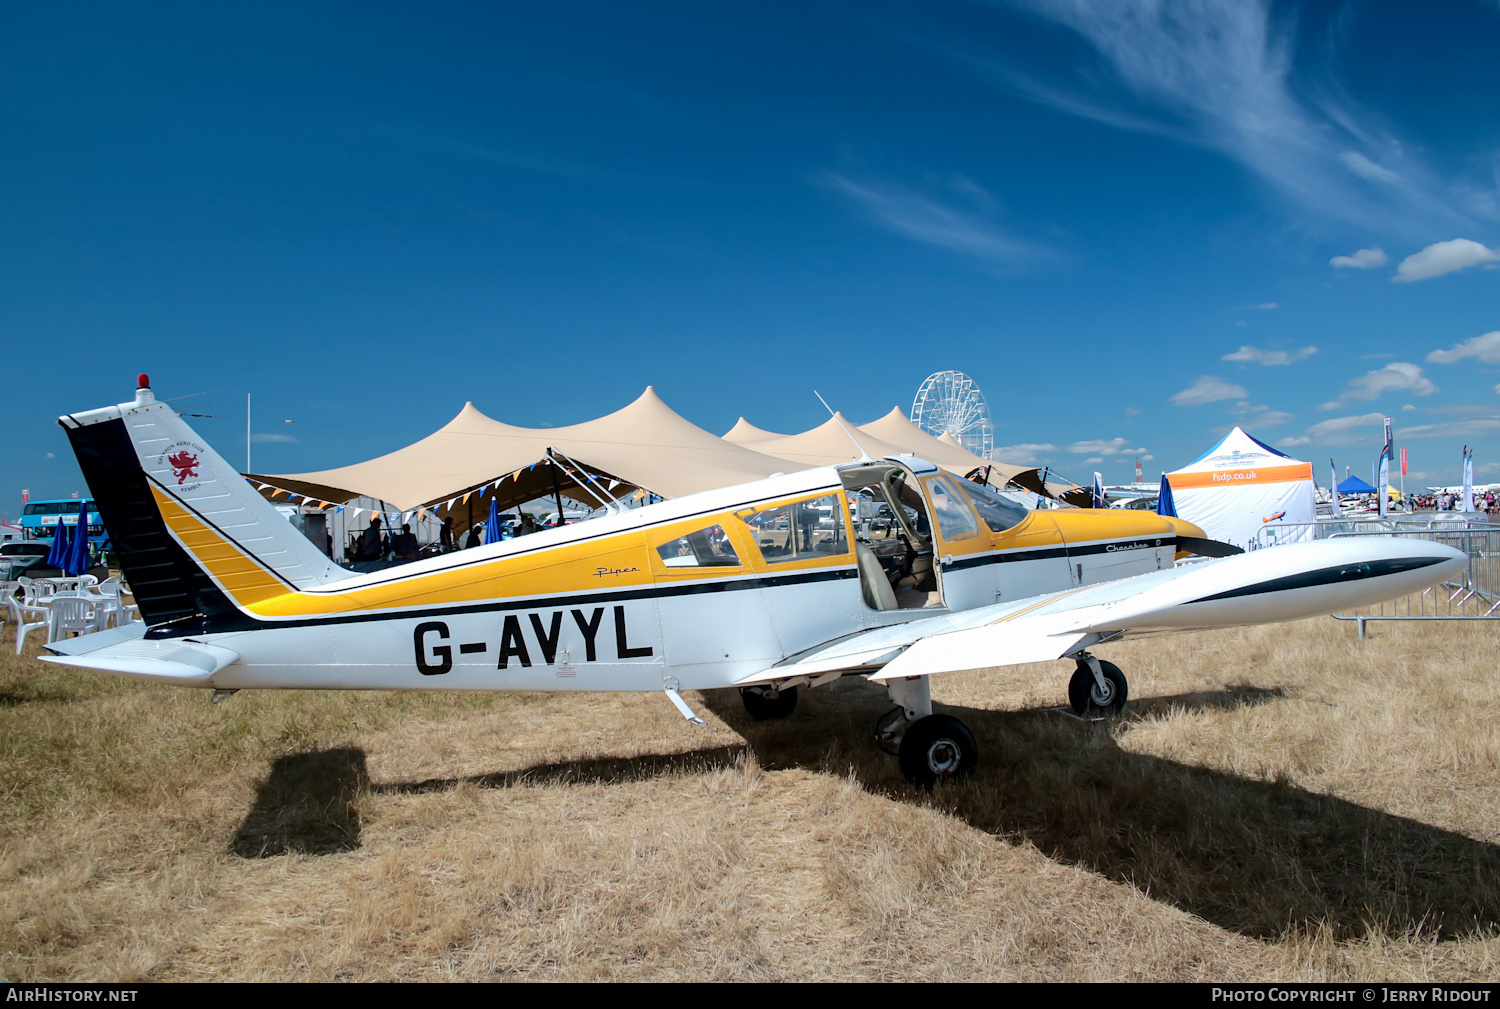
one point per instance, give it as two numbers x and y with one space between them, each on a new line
765 705
937 748
1089 698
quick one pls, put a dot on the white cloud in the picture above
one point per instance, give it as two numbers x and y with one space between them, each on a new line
1469 427
1367 169
1208 389
1131 411
1254 355
1443 257
1364 259
1486 348
1148 457
1364 429
1220 74
1097 458
1408 408
1097 446
49 455
926 219
1027 454
258 437
1398 375
1268 306
1254 418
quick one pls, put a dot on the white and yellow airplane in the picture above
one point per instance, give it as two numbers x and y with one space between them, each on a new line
767 587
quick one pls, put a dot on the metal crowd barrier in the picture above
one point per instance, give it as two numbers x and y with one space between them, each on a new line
1475 595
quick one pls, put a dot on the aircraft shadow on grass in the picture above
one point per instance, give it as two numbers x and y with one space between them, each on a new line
1261 857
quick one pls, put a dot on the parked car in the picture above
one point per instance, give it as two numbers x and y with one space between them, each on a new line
18 558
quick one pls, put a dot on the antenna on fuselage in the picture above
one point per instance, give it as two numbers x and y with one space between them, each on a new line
863 455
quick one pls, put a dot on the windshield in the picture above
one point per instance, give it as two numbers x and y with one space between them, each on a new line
998 511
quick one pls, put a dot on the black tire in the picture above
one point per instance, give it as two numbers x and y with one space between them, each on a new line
762 707
1087 699
937 748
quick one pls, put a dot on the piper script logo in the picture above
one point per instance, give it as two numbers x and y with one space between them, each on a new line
185 458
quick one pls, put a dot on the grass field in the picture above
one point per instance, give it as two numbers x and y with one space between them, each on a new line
1279 803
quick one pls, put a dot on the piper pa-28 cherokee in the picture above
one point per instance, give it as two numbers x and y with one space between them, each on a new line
768 586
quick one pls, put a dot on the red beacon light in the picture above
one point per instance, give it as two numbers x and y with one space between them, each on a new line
143 381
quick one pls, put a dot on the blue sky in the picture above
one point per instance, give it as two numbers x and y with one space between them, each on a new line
1135 224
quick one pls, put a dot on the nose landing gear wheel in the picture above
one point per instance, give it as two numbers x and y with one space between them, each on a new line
1088 698
763 705
937 748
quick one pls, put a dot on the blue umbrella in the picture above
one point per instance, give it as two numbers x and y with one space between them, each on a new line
492 524
1164 503
58 555
77 560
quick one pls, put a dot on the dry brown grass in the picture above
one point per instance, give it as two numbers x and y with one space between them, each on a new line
1282 803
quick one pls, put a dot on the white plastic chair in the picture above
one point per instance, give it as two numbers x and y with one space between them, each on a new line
35 590
42 615
8 591
112 608
71 614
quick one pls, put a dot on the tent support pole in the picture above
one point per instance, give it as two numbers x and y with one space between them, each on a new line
557 495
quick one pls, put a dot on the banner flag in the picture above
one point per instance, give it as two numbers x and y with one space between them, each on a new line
1467 504
1098 490
1383 484
1333 489
1403 461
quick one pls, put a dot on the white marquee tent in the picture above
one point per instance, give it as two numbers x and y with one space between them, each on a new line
1241 486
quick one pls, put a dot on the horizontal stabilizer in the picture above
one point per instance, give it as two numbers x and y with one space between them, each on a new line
125 651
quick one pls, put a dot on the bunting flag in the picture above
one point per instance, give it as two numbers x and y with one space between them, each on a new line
449 505
467 496
517 474
357 513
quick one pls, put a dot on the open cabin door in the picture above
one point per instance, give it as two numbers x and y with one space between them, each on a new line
893 538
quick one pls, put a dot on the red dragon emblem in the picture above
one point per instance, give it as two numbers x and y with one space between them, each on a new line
184 464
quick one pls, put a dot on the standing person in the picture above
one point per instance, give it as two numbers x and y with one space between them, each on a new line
472 540
528 525
445 536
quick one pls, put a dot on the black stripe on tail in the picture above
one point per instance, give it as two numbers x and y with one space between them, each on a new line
168 585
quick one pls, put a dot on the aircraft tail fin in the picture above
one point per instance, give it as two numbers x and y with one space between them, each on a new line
197 543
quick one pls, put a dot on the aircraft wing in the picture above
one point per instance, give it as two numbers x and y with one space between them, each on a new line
126 650
1266 586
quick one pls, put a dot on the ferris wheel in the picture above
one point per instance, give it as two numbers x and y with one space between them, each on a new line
950 401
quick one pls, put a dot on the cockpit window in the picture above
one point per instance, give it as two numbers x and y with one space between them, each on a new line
998 511
800 531
954 519
705 548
